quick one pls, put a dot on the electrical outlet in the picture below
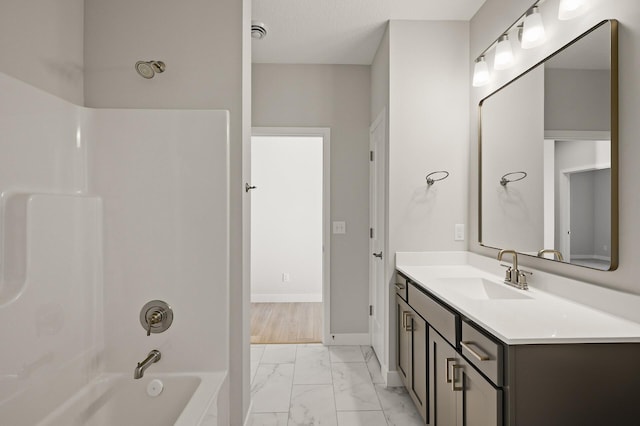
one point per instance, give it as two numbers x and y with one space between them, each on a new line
458 234
286 277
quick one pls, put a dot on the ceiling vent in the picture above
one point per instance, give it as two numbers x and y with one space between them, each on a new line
258 30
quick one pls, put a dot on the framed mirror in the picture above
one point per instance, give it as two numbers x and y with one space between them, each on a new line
548 154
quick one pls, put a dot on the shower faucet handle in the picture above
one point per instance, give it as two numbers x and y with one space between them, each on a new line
153 318
156 316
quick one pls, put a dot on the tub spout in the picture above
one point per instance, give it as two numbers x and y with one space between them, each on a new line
154 356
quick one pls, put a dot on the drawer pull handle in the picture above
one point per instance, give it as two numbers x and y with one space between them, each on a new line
448 368
478 356
405 320
408 326
399 286
453 381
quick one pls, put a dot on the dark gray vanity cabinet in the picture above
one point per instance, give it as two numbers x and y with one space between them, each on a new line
412 354
474 379
446 388
461 395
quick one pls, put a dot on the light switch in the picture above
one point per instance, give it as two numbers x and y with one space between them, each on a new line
459 232
339 227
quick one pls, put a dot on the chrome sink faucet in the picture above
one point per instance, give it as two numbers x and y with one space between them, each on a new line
153 357
513 276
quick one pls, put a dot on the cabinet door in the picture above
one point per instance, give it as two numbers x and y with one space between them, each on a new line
419 361
404 341
443 405
481 402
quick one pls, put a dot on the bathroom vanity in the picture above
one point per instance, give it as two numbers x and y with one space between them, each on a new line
474 351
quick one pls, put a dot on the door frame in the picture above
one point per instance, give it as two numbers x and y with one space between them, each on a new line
325 134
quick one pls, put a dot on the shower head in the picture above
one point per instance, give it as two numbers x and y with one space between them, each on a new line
258 30
148 69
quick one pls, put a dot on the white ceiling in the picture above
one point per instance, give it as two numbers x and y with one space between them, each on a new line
340 31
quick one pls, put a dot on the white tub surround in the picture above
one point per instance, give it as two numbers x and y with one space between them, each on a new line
102 211
547 313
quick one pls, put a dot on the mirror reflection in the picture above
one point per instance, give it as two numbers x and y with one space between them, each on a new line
546 163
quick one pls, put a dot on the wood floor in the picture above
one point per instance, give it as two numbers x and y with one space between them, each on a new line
286 323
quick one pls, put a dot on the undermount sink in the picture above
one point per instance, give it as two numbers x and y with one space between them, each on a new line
478 288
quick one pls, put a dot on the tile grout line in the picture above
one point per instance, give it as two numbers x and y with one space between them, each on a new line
293 375
384 415
333 389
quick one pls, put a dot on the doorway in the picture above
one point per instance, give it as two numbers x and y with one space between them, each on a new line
289 235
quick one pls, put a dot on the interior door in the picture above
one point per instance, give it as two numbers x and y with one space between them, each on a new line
377 258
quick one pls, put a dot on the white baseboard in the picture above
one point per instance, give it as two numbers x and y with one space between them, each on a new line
290 298
360 339
392 378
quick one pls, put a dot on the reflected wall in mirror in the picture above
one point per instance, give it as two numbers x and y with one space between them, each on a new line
548 179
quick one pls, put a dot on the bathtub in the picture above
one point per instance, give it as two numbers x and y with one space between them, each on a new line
187 399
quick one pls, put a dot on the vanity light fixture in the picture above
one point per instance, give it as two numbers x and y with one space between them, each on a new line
569 9
533 34
504 53
480 72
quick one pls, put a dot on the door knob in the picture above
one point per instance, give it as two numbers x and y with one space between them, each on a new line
378 255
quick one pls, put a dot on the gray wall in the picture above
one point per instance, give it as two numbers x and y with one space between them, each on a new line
582 213
42 43
334 96
427 108
512 142
602 213
577 99
490 21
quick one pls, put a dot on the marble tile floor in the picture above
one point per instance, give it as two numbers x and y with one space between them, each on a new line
312 384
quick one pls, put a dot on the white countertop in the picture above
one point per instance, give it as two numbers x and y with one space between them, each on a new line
540 318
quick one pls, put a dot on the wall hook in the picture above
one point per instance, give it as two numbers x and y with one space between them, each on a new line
504 181
248 187
431 181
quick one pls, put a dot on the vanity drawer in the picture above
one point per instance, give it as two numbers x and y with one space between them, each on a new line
483 352
439 317
401 285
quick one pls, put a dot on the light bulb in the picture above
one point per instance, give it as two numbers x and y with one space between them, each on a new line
480 72
569 9
533 29
504 53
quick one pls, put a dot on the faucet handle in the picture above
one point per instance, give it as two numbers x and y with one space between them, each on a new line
522 278
156 316
508 272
